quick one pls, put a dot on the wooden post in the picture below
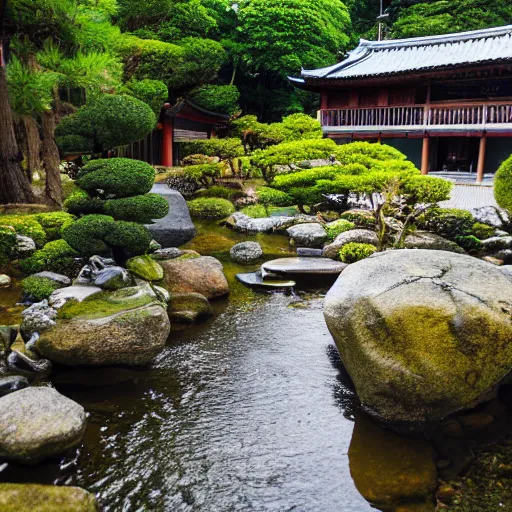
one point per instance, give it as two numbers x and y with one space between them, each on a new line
167 141
425 155
481 159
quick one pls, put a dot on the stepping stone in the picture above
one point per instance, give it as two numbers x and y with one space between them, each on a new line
308 252
304 266
256 280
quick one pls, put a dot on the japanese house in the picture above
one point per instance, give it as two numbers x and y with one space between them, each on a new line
445 101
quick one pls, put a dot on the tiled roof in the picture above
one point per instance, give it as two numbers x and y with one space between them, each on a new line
379 58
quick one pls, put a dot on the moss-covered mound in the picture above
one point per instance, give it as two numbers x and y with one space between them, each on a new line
422 333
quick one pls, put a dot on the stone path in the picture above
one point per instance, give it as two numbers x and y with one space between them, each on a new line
467 197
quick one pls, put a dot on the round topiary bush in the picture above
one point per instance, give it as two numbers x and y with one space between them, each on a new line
118 177
57 256
53 222
130 236
353 251
142 209
87 235
503 184
38 288
210 208
80 202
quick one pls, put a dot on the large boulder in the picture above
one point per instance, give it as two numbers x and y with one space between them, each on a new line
202 275
176 228
128 327
361 236
241 222
45 498
431 241
307 235
38 422
422 333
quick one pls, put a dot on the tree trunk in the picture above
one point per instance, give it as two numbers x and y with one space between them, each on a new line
14 185
51 160
33 146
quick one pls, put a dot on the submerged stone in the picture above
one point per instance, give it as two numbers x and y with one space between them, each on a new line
38 422
5 281
246 252
189 307
304 266
422 333
45 498
256 280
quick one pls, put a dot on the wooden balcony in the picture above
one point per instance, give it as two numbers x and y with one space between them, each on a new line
434 118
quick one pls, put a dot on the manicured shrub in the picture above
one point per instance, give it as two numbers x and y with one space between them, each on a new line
469 243
210 208
503 185
348 153
119 177
256 211
197 159
74 144
106 122
353 251
53 222
482 231
333 229
152 92
447 222
129 236
230 194
87 235
57 256
217 98
361 218
80 202
203 174
183 184
7 243
26 225
427 189
141 209
268 196
38 288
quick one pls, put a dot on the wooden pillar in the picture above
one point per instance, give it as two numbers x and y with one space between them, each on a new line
425 152
481 159
167 141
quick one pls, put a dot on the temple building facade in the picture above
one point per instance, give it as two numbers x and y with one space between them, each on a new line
445 101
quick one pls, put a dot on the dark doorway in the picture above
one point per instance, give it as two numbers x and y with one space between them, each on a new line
457 154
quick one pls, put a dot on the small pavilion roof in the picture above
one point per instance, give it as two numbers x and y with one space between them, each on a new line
418 54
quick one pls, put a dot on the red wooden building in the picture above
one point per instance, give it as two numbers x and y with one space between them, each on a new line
445 101
181 122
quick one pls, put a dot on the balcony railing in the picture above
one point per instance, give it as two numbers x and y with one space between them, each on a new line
476 116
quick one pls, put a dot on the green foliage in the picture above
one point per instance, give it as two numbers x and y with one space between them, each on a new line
87 235
210 208
482 231
130 237
333 229
74 144
26 225
108 121
503 185
256 135
203 174
53 222
443 16
152 92
268 196
57 256
230 194
80 202
300 127
353 251
427 189
225 149
7 243
144 208
448 222
118 177
345 153
217 98
469 243
361 218
38 288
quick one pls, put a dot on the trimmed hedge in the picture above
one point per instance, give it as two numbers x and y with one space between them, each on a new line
230 194
119 177
80 202
87 235
143 209
131 237
503 185
210 208
53 222
57 256
38 288
353 251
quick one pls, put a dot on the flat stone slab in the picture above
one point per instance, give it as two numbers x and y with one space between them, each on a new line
304 266
256 280
76 292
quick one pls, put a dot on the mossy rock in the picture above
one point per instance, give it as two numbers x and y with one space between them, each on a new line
422 333
146 268
189 308
45 498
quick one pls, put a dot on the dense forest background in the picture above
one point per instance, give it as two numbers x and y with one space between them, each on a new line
225 56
